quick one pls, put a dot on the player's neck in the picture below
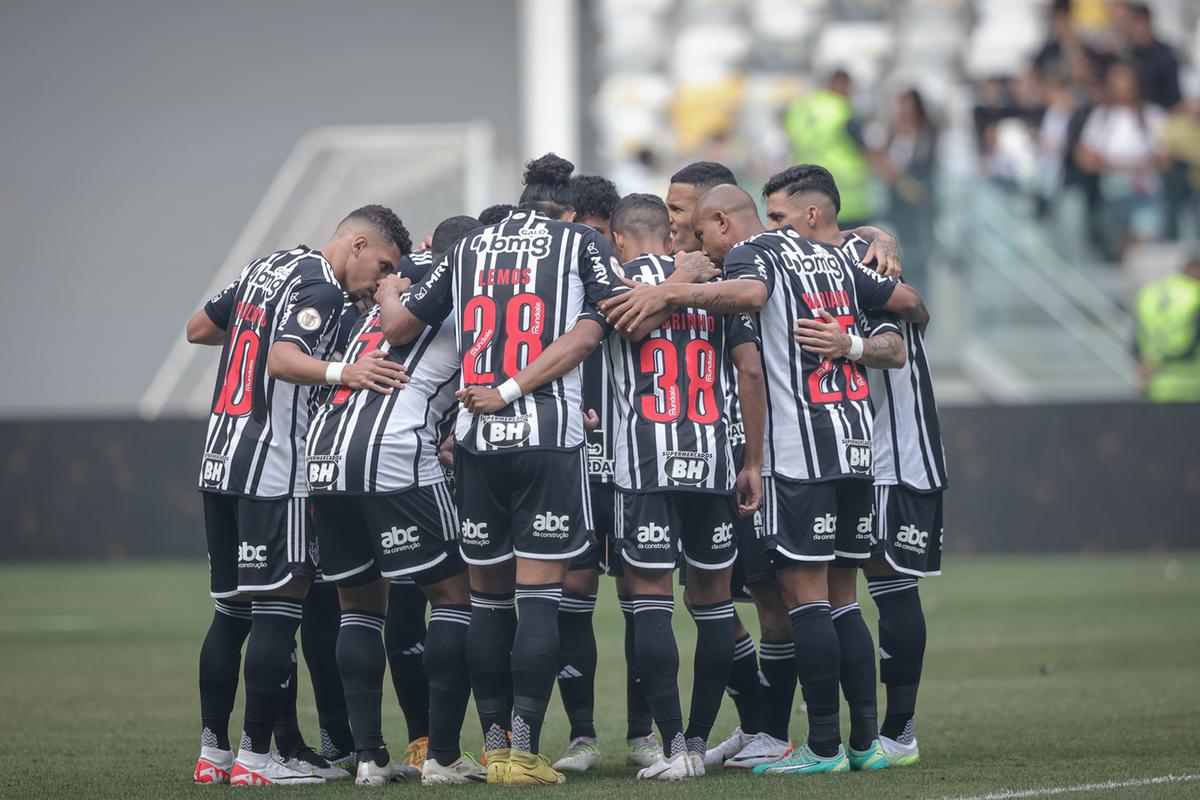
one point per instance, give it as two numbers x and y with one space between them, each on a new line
649 247
828 234
335 254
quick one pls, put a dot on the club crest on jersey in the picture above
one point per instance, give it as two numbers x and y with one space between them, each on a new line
616 266
533 242
323 471
506 431
308 318
858 455
686 467
212 470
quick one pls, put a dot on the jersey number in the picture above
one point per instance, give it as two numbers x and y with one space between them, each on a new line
367 342
524 322
856 382
239 377
660 358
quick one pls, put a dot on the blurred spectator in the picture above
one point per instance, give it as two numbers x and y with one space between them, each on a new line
907 164
640 175
1158 70
1168 340
1063 51
1120 143
823 130
1054 139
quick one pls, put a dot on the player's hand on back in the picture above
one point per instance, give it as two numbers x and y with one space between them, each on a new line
884 255
748 490
374 371
696 266
629 312
480 399
823 337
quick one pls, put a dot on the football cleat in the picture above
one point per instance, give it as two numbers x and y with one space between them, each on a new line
717 756
643 751
268 769
582 753
762 748
898 753
371 774
464 770
497 764
527 769
871 758
417 753
213 766
805 762
678 767
318 764
346 761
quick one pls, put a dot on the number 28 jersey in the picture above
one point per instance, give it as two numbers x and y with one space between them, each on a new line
513 288
255 441
671 398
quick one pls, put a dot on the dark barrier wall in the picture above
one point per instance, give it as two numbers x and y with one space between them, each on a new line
1023 479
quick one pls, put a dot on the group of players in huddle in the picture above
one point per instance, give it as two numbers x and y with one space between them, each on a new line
578 384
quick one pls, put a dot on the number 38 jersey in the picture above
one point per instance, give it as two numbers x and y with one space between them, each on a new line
513 288
818 410
671 396
255 441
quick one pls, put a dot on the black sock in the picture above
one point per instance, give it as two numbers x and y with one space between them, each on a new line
637 712
318 640
489 645
449 686
404 635
577 662
817 666
362 660
745 686
711 668
658 666
267 664
857 674
220 658
901 651
534 661
288 739
778 662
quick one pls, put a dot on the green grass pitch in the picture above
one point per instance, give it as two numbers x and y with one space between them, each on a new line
1041 673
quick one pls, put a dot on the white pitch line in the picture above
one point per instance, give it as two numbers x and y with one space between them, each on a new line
1050 791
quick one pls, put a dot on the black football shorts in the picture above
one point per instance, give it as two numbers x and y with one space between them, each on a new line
908 529
806 521
257 545
654 528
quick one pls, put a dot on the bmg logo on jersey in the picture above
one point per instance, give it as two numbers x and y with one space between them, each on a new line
552 526
653 535
323 471
252 556
910 537
858 455
722 535
506 431
825 527
686 467
474 532
212 470
398 539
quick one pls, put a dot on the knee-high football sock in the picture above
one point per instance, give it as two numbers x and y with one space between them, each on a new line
268 662
404 635
220 658
534 661
318 638
288 739
361 659
449 686
745 685
658 666
638 717
577 662
489 645
711 667
857 674
778 660
817 665
901 651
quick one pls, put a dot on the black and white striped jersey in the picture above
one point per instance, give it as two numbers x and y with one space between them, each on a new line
513 288
671 396
364 442
415 266
818 410
598 396
907 437
735 428
255 441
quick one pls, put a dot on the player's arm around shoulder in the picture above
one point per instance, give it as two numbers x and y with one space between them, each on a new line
397 322
752 400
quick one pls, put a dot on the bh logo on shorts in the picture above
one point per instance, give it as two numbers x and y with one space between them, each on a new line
858 455
654 535
212 471
398 539
683 467
474 532
910 537
252 556
552 525
322 472
825 527
506 431
722 535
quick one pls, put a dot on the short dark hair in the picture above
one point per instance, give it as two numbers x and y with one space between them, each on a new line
448 232
493 214
704 175
641 216
1141 10
595 196
804 178
548 186
385 221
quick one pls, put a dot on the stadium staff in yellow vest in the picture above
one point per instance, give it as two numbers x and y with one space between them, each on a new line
823 130
1168 339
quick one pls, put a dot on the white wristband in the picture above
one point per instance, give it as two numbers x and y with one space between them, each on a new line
509 391
333 373
856 348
